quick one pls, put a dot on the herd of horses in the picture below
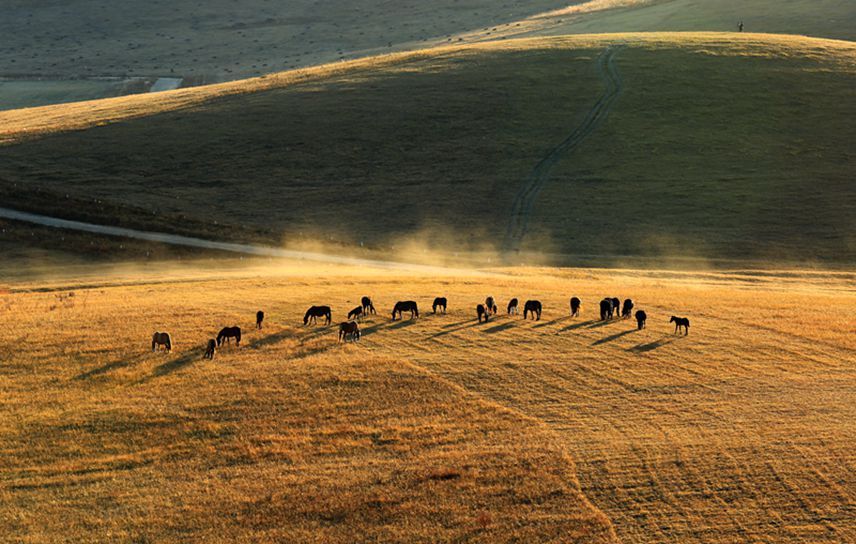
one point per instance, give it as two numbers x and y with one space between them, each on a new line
610 308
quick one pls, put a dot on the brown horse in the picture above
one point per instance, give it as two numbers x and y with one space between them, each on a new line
512 306
490 305
681 322
368 307
227 333
405 306
356 313
641 317
314 312
439 302
349 330
260 316
210 349
575 306
161 339
533 307
627 309
482 312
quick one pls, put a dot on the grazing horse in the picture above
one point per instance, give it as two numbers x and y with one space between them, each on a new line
210 349
439 302
349 330
512 306
575 306
681 322
616 306
356 313
314 312
161 339
405 306
533 307
606 309
482 312
229 332
368 307
627 308
490 305
260 316
641 316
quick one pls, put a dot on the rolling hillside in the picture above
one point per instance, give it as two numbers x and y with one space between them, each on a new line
702 146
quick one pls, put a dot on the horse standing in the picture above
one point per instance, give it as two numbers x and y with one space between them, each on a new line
314 312
533 307
349 330
606 309
512 306
210 349
490 305
627 308
161 339
368 306
227 333
405 306
681 322
260 316
482 312
356 313
641 316
439 302
575 306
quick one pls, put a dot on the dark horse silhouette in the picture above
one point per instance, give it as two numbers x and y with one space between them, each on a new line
161 339
356 313
641 316
627 308
575 306
227 333
533 307
368 307
482 312
512 306
314 312
439 302
616 306
260 316
681 322
349 330
405 306
210 349
606 309
490 305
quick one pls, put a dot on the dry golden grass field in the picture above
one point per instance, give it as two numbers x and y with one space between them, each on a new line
438 429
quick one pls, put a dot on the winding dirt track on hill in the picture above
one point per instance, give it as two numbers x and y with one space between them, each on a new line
521 210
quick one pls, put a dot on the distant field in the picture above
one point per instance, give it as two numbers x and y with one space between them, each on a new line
437 429
716 146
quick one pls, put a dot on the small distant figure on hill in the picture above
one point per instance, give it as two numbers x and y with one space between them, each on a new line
368 306
355 314
260 316
227 333
161 339
740 26
575 306
439 303
681 322
405 306
641 317
210 349
512 306
533 307
490 305
349 331
482 313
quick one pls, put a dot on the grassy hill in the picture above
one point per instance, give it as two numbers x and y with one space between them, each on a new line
715 146
438 429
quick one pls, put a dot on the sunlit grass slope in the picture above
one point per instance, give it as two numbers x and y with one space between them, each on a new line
717 146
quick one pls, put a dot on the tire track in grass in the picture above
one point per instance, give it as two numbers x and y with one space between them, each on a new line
521 210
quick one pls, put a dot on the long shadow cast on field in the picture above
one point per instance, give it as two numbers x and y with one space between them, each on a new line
501 327
599 324
548 323
650 346
274 338
612 337
579 325
177 364
470 324
115 365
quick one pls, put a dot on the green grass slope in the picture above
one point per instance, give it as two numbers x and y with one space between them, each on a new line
716 146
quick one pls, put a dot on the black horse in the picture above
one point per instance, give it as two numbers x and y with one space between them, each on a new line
227 333
575 306
606 309
512 306
533 307
260 316
210 349
681 322
368 307
439 302
627 308
490 305
482 313
616 306
641 316
314 312
356 313
405 306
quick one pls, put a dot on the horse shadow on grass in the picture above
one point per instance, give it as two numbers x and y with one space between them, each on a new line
579 325
174 365
548 323
109 367
271 339
501 327
599 324
650 346
469 324
612 337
